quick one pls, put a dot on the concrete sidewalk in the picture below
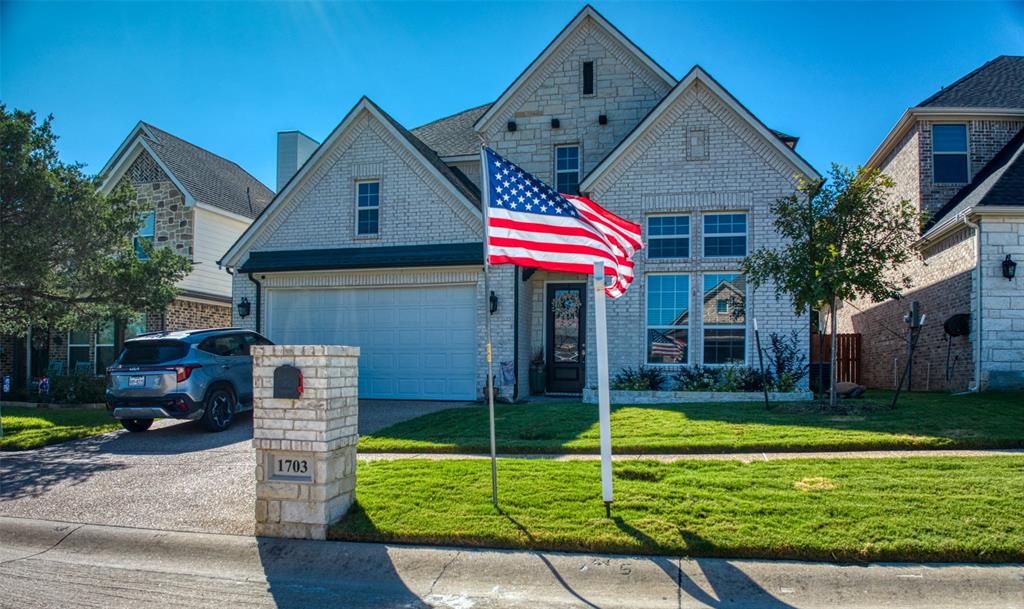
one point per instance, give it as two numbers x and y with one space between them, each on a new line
46 564
745 457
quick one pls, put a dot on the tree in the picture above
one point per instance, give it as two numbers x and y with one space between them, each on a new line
66 252
847 237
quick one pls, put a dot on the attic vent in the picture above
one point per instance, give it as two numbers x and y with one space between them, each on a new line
145 171
588 77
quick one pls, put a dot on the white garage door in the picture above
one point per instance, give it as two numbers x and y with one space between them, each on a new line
417 342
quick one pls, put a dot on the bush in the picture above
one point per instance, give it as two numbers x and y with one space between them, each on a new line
638 379
697 378
726 378
77 389
785 362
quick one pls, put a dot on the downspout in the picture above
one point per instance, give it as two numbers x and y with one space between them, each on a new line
259 293
976 385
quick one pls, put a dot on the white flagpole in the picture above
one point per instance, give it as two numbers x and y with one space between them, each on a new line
485 203
603 396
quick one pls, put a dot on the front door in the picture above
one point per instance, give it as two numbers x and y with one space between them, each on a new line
565 337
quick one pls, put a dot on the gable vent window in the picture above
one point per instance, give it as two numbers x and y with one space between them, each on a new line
588 77
696 144
368 208
949 154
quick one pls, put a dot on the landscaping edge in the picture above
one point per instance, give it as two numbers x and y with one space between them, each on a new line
621 396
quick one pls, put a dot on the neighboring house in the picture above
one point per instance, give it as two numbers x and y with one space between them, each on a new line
957 156
377 239
199 203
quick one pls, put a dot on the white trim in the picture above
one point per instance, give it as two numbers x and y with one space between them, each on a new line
689 235
357 208
966 152
579 165
460 158
124 162
697 74
233 256
704 234
587 12
223 212
951 223
912 115
689 321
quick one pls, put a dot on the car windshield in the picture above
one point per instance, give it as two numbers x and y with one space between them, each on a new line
153 352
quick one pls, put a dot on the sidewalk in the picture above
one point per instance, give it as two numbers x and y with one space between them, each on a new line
745 457
46 564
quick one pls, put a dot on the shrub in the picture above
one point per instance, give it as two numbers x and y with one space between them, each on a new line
697 378
77 389
638 379
785 364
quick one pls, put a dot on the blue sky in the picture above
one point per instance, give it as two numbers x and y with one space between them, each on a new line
228 75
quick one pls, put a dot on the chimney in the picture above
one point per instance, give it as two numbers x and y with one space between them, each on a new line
293 148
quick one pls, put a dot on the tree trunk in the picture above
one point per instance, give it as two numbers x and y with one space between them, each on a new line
832 398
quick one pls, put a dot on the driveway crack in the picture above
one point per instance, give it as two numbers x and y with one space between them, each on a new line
447 564
41 552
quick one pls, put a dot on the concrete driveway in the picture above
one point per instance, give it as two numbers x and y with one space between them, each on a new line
177 476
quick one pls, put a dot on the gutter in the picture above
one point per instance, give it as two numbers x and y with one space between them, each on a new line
259 299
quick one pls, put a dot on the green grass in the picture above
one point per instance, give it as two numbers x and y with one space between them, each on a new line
920 421
26 428
853 510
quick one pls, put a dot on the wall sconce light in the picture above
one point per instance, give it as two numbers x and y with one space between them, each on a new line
1009 268
602 119
494 302
555 123
511 125
243 307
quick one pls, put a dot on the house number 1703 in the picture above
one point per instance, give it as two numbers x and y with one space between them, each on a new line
290 467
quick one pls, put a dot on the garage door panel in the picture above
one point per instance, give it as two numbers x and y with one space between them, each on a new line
416 342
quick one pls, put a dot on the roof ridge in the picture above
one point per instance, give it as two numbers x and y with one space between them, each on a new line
453 115
205 151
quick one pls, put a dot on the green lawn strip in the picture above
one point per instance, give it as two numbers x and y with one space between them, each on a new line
26 428
921 421
854 510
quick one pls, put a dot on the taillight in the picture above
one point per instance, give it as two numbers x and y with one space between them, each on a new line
183 372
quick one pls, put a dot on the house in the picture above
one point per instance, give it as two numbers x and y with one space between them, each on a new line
958 156
376 241
199 203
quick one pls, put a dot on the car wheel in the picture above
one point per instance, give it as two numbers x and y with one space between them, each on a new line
220 407
136 425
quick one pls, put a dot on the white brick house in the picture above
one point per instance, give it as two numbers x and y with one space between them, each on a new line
377 239
959 156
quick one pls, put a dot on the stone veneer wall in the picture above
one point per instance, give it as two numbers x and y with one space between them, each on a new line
1002 347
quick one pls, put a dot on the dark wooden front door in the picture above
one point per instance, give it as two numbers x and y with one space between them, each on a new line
565 315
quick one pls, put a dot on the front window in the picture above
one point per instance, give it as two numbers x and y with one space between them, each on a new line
725 235
79 344
567 169
725 321
145 234
668 237
105 354
949 154
368 208
668 319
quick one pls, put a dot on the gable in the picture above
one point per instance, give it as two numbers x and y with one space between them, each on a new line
588 24
710 108
316 209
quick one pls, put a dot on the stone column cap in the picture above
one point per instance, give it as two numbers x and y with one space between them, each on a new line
298 350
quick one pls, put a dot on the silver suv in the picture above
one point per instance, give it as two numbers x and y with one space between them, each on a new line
191 374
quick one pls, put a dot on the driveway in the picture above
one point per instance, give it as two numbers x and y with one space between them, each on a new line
176 476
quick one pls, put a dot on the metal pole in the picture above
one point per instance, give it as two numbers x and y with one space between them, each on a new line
487 322
760 359
603 395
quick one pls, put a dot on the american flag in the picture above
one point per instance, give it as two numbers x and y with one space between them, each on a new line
529 224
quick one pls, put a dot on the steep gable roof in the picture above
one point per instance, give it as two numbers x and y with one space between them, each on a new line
998 83
588 13
458 184
697 74
453 135
1000 183
204 176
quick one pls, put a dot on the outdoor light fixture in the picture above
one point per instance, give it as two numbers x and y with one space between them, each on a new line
511 125
243 307
555 124
1009 268
494 302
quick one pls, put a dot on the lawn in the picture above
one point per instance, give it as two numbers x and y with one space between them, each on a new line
853 510
920 421
26 428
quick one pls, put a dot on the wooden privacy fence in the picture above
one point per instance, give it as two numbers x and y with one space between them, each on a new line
847 357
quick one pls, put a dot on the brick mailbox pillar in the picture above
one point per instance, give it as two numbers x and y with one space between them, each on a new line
306 442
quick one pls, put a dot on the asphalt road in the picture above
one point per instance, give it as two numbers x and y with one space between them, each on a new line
48 565
177 476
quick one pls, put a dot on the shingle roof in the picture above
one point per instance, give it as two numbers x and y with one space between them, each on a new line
999 183
453 135
209 178
997 84
457 178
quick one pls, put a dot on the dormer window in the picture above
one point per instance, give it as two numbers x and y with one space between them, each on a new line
588 77
949 154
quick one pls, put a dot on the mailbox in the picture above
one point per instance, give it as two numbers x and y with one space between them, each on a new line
287 382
